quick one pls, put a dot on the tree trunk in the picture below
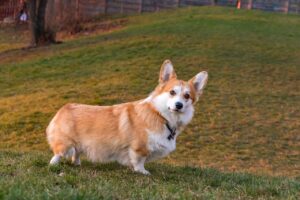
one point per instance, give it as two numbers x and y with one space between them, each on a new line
37 27
32 22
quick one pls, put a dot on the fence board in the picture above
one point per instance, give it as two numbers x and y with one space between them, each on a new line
294 6
9 8
68 10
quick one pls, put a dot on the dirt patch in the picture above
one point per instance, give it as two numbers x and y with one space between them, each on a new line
14 38
91 28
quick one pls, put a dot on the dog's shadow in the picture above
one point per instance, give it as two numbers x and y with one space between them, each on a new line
103 167
159 171
176 174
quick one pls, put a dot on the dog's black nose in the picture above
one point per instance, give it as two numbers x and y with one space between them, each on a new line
178 105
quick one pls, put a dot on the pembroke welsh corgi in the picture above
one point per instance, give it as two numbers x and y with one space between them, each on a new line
130 133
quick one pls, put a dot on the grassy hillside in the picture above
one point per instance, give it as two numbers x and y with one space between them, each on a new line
247 120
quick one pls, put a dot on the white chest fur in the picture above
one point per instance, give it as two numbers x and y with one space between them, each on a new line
159 145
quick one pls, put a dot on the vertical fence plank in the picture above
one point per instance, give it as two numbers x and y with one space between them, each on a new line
141 6
105 6
249 4
156 6
122 7
286 6
77 10
15 10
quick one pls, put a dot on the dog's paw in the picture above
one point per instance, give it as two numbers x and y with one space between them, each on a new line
143 171
76 162
55 160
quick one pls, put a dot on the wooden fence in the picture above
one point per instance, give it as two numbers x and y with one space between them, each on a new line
286 6
84 9
9 8
88 8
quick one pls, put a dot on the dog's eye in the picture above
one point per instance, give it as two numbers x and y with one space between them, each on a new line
172 92
186 96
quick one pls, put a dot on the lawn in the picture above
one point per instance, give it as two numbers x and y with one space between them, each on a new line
243 142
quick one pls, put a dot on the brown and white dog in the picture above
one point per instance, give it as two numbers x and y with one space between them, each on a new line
129 133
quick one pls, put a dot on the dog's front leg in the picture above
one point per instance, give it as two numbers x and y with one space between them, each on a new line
137 162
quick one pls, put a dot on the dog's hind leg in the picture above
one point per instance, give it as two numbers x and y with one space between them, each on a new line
59 150
75 158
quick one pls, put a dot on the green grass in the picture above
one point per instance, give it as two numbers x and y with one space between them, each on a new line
246 122
28 176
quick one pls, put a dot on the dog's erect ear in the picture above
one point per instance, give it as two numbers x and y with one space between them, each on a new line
166 72
199 82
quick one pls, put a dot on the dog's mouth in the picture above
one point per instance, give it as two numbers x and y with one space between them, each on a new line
175 110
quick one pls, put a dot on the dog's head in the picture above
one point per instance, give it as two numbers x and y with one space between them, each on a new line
177 96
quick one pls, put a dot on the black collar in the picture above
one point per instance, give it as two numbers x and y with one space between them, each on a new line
172 131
